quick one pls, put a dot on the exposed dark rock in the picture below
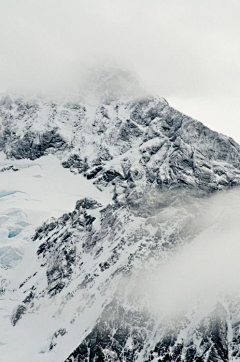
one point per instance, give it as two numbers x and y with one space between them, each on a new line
18 313
32 146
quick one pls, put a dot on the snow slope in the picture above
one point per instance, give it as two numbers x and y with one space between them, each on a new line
35 192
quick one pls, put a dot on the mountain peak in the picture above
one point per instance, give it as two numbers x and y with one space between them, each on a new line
110 82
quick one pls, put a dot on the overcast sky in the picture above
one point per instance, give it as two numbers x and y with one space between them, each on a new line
187 51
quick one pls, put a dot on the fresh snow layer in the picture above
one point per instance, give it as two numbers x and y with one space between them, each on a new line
39 190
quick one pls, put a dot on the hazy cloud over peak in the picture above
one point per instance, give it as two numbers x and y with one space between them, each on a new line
186 51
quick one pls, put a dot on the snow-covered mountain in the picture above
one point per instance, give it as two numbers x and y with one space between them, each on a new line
96 198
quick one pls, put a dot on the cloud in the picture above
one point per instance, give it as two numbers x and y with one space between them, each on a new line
203 272
181 50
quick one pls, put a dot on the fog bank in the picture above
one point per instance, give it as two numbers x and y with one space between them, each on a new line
202 272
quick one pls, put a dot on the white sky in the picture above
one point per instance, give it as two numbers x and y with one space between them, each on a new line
187 51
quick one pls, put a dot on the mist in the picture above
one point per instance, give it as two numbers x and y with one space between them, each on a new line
187 52
203 272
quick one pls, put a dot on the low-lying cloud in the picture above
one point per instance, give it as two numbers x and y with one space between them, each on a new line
202 272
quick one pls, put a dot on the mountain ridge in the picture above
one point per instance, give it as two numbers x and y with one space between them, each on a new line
160 168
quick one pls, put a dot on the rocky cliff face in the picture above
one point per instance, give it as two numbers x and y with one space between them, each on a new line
161 168
141 142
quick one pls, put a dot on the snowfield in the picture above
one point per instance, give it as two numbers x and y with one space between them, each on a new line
39 190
